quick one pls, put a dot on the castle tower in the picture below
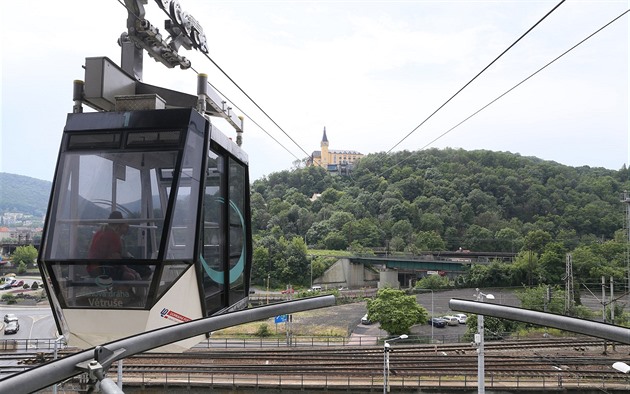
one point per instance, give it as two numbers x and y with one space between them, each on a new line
324 146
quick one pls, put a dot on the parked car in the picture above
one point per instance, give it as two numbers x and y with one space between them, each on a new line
461 318
8 281
17 283
9 317
316 288
451 320
12 327
437 322
366 320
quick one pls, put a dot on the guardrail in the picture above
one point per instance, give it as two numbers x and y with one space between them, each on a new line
47 344
27 345
302 341
168 380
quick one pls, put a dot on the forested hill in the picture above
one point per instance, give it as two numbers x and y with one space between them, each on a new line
442 199
23 194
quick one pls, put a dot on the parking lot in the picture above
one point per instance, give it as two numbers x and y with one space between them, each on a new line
436 303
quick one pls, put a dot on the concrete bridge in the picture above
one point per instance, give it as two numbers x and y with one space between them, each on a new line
414 265
396 271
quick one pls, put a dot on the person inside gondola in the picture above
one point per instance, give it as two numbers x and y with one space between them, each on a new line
107 244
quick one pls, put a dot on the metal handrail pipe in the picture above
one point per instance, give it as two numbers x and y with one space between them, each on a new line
587 327
53 372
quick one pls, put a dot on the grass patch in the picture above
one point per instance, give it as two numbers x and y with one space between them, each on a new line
537 332
249 330
306 324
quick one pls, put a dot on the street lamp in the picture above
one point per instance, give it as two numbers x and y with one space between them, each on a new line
306 244
481 385
386 350
56 341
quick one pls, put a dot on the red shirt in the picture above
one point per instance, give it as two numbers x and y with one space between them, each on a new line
106 244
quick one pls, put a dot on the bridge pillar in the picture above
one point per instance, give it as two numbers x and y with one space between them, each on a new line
388 278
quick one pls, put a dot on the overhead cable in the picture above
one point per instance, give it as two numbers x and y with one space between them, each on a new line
250 118
252 100
513 87
475 77
255 103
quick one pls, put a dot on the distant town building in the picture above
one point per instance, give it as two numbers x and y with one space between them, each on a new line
338 162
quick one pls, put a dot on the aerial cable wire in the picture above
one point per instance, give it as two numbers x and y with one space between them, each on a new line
512 88
255 103
249 117
236 106
524 80
475 77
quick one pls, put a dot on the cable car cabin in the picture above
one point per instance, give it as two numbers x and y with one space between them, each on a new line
148 225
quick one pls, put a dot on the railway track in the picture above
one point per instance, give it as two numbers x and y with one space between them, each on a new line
535 358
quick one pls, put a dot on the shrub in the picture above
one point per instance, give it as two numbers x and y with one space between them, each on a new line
263 331
433 282
9 298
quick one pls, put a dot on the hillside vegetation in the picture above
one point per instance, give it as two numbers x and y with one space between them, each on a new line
23 194
431 200
444 200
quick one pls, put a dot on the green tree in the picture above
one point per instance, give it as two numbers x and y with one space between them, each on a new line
24 254
479 238
552 263
366 231
336 241
402 229
297 261
494 328
397 244
526 269
433 282
261 263
395 311
536 241
535 298
508 240
429 240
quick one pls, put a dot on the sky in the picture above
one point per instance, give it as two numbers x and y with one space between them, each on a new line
370 72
